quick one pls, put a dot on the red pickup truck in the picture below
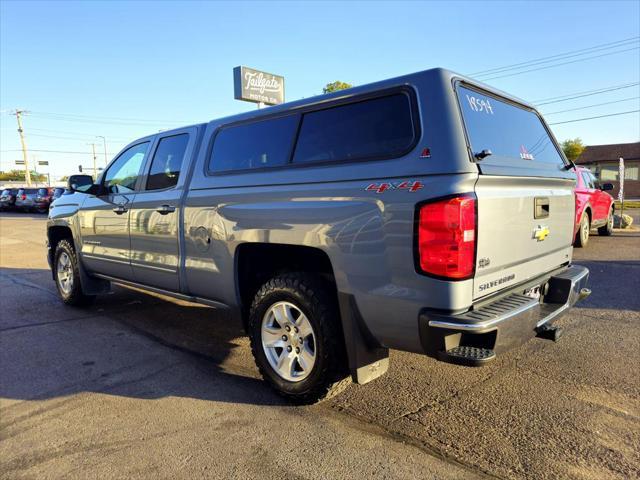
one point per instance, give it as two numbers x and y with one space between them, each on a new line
594 207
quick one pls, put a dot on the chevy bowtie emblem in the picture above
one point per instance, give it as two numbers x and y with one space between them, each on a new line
540 233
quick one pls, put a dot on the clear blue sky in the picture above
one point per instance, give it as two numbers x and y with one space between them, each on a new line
164 64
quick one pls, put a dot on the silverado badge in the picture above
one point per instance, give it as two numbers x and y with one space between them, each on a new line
540 233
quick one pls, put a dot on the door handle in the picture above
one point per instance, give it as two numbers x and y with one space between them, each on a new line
164 209
120 209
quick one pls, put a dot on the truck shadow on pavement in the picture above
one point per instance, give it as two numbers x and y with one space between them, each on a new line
608 291
128 343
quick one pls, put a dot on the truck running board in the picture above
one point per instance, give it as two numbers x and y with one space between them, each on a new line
470 356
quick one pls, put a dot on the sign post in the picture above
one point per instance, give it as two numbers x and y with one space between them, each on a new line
621 191
263 88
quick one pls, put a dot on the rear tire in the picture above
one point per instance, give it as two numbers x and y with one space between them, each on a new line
66 272
607 230
308 365
582 237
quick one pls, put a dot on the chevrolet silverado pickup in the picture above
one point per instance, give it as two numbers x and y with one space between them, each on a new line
427 213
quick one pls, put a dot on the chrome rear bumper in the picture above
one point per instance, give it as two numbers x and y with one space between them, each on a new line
507 322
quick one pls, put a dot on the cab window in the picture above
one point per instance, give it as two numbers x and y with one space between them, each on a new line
167 162
124 172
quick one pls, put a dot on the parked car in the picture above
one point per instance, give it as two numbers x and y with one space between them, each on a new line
43 199
57 193
8 199
427 213
594 207
26 199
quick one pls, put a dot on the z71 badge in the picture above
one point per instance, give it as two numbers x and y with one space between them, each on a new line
411 186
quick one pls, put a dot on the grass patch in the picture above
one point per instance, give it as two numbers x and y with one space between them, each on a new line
628 204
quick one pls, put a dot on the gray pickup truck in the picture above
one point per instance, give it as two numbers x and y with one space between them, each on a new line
426 213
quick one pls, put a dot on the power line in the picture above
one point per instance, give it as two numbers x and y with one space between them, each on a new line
102 122
79 134
591 106
588 93
51 151
572 53
80 139
71 117
559 64
592 118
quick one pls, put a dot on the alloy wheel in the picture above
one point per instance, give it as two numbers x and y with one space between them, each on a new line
288 341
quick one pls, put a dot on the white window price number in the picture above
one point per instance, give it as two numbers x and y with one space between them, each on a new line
480 104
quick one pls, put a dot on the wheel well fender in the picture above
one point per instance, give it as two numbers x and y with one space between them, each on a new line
255 263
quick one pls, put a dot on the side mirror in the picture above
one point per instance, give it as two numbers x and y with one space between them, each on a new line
607 186
80 183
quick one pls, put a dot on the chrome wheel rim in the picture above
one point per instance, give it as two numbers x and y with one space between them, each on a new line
65 273
585 230
610 221
288 341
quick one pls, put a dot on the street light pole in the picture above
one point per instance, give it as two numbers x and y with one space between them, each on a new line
104 144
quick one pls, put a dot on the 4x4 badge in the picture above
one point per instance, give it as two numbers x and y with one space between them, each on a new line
411 186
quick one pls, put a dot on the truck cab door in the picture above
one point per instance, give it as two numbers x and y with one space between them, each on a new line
595 196
155 223
104 218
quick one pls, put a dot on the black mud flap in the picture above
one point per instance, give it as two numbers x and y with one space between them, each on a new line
91 285
368 360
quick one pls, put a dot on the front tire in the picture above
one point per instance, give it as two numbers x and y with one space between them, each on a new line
582 237
296 338
607 230
67 275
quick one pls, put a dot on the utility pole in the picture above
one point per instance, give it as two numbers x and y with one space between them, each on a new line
104 144
27 175
95 169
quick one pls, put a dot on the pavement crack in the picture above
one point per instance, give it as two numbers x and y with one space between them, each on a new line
26 283
40 324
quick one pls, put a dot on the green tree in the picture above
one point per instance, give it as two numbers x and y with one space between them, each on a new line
335 86
18 176
573 148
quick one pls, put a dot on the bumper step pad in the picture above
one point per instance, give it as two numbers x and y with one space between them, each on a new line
464 355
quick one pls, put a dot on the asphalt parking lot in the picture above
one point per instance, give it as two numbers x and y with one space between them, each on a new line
139 386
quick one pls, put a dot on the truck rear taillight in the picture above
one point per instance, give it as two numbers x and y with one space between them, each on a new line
447 237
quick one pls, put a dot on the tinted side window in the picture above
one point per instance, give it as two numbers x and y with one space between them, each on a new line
167 162
379 127
43 191
509 131
265 143
586 179
123 173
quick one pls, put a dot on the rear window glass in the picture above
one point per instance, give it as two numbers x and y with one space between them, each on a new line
507 130
380 127
6 192
265 143
43 191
